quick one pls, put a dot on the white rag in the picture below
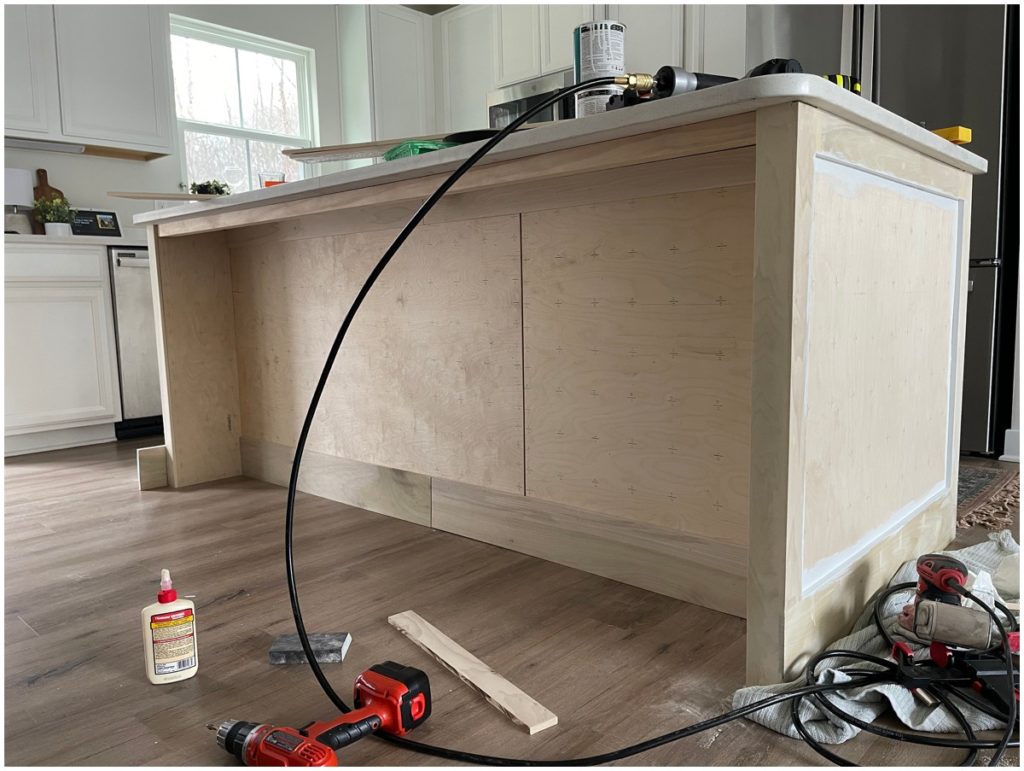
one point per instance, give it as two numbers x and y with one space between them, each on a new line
870 701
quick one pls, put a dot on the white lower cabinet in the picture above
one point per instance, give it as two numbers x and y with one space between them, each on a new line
61 384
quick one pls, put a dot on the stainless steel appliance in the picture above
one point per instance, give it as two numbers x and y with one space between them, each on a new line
507 104
135 332
938 65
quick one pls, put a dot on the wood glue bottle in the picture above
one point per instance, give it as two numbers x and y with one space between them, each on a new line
169 636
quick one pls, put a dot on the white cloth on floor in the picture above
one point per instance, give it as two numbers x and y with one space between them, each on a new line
870 701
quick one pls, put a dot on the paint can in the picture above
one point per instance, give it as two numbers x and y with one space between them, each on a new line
599 51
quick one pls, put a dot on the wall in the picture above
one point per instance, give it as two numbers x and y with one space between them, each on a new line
85 180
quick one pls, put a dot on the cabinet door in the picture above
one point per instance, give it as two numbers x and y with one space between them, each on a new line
724 40
466 66
58 357
557 23
30 77
654 35
516 43
402 65
114 68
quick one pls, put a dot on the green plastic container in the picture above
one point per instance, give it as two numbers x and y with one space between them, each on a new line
416 147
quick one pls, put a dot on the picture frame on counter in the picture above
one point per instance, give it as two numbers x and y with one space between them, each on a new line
95 222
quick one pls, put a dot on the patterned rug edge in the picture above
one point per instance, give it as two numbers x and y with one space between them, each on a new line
999 511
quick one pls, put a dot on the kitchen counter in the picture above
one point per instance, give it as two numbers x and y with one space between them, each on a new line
711 346
135 237
743 96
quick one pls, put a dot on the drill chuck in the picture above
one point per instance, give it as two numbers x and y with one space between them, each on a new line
231 736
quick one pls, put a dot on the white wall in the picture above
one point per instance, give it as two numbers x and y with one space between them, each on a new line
85 180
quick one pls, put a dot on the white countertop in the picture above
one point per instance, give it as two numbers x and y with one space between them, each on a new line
132 237
718 102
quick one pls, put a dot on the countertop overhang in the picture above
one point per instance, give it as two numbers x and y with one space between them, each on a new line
722 101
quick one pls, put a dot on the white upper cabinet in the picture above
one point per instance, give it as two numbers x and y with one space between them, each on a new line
654 35
401 46
724 38
114 69
466 63
516 43
557 24
30 74
535 40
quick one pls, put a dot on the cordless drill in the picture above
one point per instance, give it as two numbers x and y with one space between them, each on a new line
389 697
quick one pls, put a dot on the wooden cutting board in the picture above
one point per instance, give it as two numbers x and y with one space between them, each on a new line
43 190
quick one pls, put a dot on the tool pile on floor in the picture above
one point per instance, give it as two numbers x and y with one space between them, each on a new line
919 646
895 607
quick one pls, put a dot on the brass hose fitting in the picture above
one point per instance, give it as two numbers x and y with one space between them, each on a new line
640 82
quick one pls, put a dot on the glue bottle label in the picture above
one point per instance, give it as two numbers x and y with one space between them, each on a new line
174 647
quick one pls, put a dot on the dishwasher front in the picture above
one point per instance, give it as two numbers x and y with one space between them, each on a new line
135 330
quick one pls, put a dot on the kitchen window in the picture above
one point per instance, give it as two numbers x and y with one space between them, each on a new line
240 100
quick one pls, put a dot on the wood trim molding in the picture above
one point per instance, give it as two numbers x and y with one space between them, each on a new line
399 494
669 562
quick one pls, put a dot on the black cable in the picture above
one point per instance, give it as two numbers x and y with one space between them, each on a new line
1011 719
971 744
794 696
633 749
332 355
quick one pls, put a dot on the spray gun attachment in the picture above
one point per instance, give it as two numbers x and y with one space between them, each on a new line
639 82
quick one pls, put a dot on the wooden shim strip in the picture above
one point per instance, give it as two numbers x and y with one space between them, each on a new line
503 695
151 464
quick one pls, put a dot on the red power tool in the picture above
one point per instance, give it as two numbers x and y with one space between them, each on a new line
936 576
389 697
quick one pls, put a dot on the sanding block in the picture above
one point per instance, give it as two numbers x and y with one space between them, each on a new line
329 648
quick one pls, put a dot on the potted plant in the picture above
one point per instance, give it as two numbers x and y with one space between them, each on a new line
211 187
55 214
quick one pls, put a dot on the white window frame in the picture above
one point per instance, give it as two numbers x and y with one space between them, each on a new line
305 75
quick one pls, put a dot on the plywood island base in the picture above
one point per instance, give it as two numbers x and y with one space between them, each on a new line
718 360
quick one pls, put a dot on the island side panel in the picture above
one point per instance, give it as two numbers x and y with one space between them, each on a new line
876 342
638 354
195 329
429 380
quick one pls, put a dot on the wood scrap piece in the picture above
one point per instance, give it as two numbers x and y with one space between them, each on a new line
502 694
151 464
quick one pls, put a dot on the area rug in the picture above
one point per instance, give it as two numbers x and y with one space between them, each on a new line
989 497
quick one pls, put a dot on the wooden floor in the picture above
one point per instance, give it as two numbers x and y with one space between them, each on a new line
84 550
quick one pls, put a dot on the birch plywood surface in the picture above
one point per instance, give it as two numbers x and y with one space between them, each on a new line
430 378
881 335
637 341
195 330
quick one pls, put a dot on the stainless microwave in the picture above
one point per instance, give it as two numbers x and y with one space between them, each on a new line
507 104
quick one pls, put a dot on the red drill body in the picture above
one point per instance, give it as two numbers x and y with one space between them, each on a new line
389 697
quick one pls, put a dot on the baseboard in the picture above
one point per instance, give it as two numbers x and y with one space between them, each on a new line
58 439
1011 445
400 494
696 570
